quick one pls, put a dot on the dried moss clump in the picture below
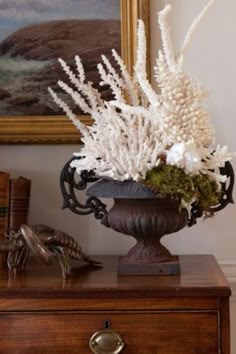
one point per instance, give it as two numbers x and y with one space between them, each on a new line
172 180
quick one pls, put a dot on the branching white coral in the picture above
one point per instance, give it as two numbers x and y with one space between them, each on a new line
139 128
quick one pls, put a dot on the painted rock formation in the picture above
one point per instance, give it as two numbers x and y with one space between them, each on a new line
34 51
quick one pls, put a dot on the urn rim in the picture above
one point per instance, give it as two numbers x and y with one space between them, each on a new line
129 189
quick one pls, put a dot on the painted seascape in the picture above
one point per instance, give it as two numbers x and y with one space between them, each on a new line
34 34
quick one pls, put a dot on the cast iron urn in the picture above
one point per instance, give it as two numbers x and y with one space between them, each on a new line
139 212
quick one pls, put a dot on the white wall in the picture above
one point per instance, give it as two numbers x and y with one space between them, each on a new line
211 59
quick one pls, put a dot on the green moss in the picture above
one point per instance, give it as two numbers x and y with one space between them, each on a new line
171 180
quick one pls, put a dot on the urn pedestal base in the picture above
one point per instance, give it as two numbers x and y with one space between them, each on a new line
148 259
164 268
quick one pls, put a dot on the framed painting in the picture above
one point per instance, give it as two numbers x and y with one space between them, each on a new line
33 34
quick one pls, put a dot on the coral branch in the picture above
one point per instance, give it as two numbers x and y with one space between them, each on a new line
192 29
68 112
129 84
141 67
167 42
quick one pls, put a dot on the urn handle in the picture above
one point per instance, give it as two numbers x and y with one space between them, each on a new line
226 195
227 187
106 341
69 186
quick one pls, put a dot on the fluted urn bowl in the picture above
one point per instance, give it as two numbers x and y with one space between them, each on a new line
139 212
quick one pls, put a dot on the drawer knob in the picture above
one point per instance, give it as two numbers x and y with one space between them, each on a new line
106 342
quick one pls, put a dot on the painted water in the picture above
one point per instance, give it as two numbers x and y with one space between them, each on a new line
12 69
18 86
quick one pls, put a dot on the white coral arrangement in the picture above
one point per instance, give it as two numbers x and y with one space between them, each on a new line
140 129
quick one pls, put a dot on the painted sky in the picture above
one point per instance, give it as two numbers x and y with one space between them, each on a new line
15 14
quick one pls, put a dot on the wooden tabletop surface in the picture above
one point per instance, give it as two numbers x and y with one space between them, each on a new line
199 274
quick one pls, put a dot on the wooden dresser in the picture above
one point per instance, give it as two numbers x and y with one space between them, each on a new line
187 314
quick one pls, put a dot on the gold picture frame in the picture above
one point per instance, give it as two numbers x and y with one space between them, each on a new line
58 129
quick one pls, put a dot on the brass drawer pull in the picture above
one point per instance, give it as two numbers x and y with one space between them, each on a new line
106 341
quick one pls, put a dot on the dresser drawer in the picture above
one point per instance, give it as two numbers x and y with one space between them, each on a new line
142 332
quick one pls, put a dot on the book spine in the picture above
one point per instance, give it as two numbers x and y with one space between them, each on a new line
19 202
4 203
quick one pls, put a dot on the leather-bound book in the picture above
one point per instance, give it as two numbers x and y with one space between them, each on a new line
4 203
19 202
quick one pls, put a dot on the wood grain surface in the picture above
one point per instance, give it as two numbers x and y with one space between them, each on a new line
159 333
199 275
188 314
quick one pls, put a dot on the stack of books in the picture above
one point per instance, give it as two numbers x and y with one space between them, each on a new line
14 206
